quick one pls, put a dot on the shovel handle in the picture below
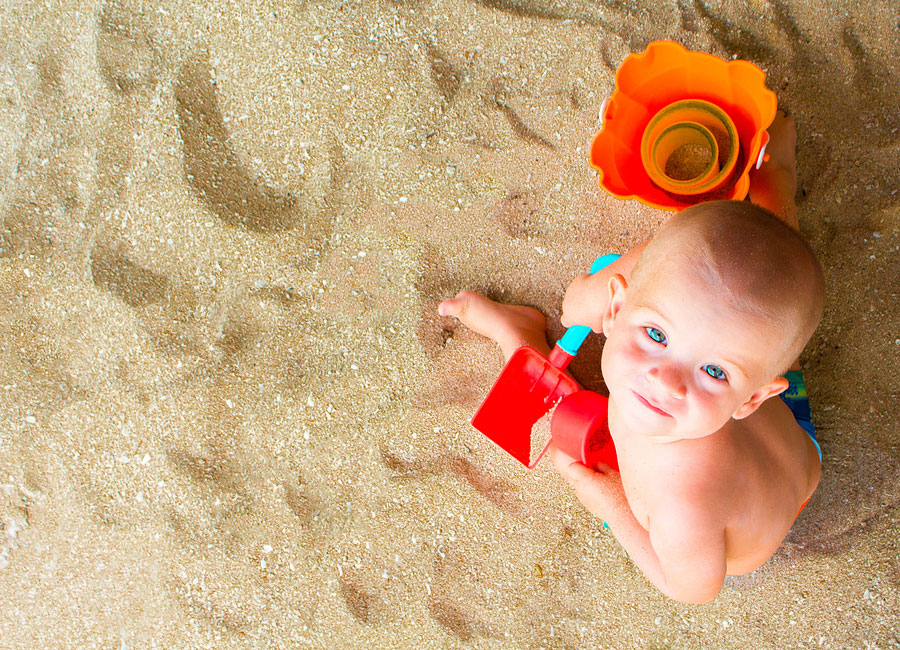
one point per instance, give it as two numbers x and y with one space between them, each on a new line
573 338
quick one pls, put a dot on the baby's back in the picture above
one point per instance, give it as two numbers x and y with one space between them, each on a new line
782 469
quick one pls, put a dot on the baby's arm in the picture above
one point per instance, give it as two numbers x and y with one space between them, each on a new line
774 185
587 297
682 554
689 545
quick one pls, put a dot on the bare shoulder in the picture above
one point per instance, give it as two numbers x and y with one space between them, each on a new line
692 479
751 466
783 451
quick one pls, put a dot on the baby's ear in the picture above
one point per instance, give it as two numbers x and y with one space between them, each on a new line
617 287
760 395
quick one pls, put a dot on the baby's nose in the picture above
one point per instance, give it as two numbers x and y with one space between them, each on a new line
670 378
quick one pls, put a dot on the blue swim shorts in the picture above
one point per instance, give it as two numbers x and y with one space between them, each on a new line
796 399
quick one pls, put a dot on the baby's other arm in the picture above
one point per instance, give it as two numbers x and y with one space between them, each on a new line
682 553
587 297
689 544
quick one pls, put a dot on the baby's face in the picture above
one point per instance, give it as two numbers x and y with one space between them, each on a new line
679 360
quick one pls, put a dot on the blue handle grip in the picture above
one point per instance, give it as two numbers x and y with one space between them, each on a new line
573 338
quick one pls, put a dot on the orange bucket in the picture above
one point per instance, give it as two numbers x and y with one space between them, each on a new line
668 100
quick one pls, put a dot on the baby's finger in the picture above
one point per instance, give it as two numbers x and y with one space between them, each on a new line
561 460
580 475
587 483
588 486
603 468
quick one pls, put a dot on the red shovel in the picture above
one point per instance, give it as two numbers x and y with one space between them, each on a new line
529 386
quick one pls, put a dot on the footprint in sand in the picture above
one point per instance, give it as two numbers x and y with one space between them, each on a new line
453 619
363 603
499 98
447 602
727 33
445 75
128 60
134 284
500 493
573 11
517 214
874 82
214 169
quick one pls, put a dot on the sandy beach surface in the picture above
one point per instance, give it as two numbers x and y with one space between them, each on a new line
229 414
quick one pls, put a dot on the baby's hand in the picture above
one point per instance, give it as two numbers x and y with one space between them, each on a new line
583 304
600 490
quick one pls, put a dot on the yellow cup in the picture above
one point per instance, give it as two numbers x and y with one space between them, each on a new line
690 122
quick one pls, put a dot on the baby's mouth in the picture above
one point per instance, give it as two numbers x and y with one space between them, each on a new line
643 400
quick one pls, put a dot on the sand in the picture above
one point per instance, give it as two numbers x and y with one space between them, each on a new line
229 416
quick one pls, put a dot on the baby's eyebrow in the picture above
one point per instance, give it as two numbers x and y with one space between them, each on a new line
647 306
736 365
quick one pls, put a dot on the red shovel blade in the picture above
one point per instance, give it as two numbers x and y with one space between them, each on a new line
527 388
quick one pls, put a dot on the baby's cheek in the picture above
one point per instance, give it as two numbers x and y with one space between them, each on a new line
631 352
714 409
607 358
616 360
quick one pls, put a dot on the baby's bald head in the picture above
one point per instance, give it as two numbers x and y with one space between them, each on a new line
764 268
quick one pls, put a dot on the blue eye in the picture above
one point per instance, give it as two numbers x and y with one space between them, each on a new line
657 335
713 371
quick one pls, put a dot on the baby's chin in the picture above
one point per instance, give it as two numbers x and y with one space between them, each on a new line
631 415
629 418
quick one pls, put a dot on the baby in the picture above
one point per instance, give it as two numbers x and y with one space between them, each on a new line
701 324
